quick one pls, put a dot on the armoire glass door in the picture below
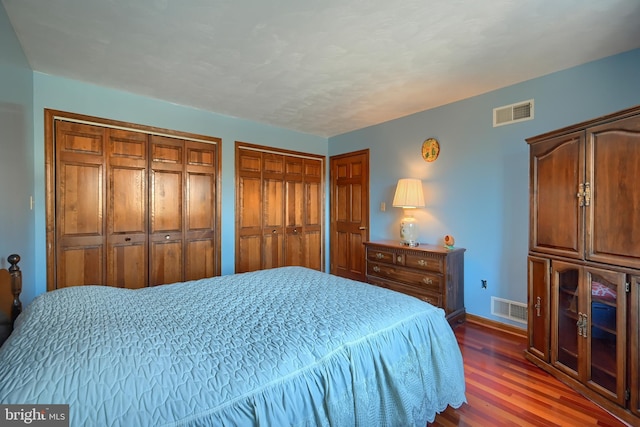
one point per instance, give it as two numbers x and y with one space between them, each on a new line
605 337
566 286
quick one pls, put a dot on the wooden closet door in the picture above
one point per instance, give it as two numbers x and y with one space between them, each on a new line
279 209
127 246
294 212
273 220
313 214
248 210
79 204
200 226
166 210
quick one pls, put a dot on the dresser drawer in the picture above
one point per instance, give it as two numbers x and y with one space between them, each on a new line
417 279
432 298
380 255
422 262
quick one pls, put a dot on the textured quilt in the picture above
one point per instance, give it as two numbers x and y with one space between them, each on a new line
282 347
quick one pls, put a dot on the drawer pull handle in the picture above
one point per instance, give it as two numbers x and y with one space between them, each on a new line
422 262
399 258
427 280
379 255
376 269
427 299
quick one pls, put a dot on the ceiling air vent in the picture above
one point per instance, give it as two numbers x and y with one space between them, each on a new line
513 113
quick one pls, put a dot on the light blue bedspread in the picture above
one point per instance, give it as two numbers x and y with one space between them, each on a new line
281 347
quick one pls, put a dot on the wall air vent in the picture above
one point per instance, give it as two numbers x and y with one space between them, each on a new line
511 310
514 113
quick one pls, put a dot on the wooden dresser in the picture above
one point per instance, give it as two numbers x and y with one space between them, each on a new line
432 273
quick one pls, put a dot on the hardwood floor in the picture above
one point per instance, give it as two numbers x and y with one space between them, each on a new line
504 389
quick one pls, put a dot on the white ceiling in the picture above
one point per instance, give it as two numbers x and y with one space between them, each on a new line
322 67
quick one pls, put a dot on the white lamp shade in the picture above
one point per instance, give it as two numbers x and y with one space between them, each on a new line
409 194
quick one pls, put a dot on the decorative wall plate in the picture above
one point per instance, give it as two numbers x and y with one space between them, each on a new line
430 149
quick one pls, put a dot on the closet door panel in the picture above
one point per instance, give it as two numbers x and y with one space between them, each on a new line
166 211
312 245
127 254
127 264
250 248
166 262
82 265
200 260
79 204
200 227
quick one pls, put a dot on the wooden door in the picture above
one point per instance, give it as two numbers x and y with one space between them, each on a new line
80 204
201 166
294 247
166 211
127 226
556 215
303 212
313 214
249 211
349 213
272 247
538 307
613 162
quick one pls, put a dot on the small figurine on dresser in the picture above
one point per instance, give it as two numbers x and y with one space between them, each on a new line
449 241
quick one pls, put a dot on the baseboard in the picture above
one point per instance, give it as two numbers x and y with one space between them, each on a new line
499 326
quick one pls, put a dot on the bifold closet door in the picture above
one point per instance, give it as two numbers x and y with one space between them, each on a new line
182 210
279 210
200 210
127 224
80 205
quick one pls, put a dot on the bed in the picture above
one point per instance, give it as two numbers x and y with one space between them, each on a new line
282 347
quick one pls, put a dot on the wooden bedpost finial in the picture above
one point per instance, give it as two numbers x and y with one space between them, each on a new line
16 285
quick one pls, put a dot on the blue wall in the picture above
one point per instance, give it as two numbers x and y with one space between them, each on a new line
477 190
16 153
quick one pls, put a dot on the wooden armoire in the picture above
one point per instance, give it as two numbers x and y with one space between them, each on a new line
584 259
279 208
127 205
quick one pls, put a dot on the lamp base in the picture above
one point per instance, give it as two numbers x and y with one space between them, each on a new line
410 244
409 231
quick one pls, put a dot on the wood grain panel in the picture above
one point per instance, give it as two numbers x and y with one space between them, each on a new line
166 201
201 201
557 170
127 265
200 259
81 266
613 151
81 199
167 266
